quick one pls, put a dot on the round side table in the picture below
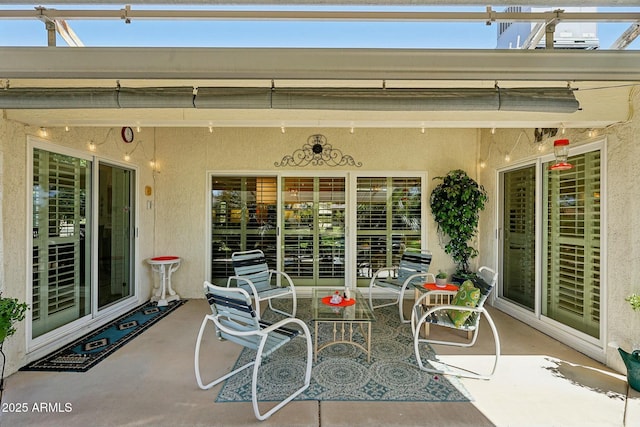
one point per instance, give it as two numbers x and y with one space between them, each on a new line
165 266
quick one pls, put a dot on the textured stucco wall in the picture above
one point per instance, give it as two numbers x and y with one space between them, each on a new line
622 253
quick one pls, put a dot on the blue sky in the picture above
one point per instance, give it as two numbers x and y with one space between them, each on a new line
277 34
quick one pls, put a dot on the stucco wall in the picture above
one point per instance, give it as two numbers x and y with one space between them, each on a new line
622 254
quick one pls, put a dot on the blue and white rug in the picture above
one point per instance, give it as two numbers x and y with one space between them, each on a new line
342 372
89 350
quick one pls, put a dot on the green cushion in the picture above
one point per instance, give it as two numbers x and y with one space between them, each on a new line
468 295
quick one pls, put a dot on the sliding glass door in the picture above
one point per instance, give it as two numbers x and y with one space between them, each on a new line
67 225
566 221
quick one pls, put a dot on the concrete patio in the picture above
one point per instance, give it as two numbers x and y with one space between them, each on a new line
151 382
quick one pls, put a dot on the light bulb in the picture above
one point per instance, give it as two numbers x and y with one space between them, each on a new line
352 130
282 129
66 128
127 157
507 158
210 129
493 131
43 132
483 164
138 129
92 146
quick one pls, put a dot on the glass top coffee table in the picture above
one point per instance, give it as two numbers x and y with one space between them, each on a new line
343 319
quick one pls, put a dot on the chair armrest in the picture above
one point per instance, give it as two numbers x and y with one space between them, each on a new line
381 270
283 274
416 275
239 279
283 322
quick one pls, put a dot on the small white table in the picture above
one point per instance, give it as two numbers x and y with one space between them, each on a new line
165 266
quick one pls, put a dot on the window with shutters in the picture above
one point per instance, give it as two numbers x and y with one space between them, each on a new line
243 217
571 269
388 221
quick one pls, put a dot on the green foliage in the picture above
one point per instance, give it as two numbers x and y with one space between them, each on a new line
456 204
11 311
634 300
441 275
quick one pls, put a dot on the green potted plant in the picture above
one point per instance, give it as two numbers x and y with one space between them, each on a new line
11 311
456 204
441 279
632 360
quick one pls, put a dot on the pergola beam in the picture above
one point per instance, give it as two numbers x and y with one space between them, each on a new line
129 14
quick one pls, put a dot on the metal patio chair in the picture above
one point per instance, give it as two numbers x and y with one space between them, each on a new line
412 269
254 275
447 316
236 320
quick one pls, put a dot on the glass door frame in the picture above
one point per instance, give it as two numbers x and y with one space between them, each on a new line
593 347
42 344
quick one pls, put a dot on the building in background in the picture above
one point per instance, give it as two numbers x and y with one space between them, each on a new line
531 35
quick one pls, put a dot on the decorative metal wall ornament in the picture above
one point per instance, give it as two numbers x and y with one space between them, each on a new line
317 152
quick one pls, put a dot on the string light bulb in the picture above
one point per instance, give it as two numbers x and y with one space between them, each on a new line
43 132
66 128
483 164
127 157
91 146
282 129
210 129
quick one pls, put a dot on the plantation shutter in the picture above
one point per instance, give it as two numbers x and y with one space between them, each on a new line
572 288
59 283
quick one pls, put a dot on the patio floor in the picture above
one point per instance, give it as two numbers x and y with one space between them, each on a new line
151 382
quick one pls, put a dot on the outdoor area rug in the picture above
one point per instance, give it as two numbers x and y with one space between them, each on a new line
342 372
89 350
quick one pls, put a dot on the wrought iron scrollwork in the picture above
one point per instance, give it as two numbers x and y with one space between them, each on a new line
317 152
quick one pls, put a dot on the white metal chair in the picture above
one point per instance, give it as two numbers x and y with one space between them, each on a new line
412 269
254 275
439 315
236 320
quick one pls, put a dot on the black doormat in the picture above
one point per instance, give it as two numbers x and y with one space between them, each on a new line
89 350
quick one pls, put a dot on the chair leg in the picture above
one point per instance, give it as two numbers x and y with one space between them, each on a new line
196 363
254 381
459 372
293 309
